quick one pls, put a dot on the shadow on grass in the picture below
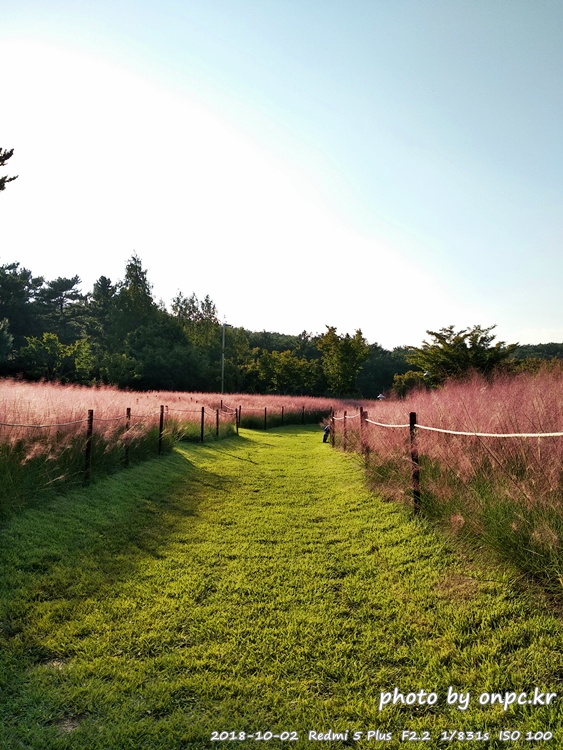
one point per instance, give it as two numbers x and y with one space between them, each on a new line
77 546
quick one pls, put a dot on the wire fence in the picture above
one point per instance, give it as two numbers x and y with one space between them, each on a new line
169 422
134 427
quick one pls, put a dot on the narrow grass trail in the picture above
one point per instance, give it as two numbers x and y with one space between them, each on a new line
256 585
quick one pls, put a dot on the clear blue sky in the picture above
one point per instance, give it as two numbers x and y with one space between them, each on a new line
388 165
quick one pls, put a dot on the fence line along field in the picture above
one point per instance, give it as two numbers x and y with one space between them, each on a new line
45 443
506 491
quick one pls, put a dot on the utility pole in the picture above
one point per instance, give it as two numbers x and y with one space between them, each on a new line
223 360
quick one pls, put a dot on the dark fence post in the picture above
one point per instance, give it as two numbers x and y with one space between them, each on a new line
265 417
236 419
414 463
362 430
303 414
202 422
282 416
127 428
332 427
217 422
160 429
88 452
221 404
344 433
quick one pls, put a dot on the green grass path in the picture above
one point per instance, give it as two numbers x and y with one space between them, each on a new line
250 585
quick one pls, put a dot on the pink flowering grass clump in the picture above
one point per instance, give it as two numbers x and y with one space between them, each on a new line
43 428
505 490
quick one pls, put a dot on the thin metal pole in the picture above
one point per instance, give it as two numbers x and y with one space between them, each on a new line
223 362
202 422
414 463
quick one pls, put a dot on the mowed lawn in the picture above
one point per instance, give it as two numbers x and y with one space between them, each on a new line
257 585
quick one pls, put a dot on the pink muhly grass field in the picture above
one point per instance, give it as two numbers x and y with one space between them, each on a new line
506 490
43 427
23 403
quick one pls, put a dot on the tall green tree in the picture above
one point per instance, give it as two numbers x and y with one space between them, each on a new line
199 318
285 373
161 356
101 310
453 354
58 304
49 358
342 359
134 303
18 294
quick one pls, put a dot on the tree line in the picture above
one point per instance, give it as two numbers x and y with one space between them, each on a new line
118 334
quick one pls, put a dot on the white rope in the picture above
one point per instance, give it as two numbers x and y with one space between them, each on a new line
474 434
493 434
380 424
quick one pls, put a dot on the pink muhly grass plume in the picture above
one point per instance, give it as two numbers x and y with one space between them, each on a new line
508 404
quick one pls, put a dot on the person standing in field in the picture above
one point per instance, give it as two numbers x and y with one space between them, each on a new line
326 433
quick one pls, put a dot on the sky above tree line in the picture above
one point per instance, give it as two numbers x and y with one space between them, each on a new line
389 166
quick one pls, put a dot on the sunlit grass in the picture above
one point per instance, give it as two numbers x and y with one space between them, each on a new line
252 584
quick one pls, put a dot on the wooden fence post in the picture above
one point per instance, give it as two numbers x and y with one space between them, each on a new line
127 428
217 422
160 429
202 422
332 427
265 418
344 435
414 463
236 419
362 430
239 414
88 452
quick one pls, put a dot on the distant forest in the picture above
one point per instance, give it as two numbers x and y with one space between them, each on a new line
119 334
